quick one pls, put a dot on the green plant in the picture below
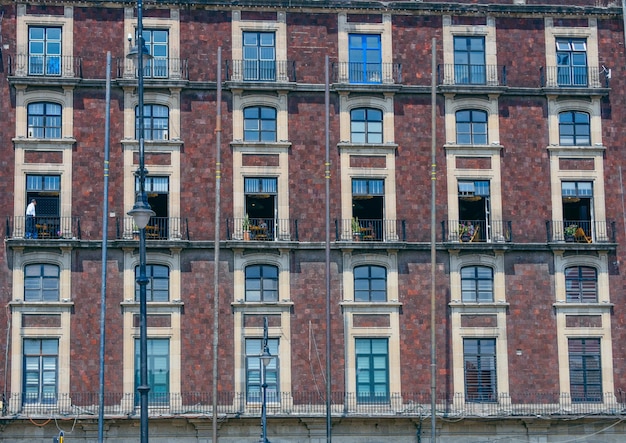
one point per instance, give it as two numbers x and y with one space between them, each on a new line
245 224
463 229
570 230
356 226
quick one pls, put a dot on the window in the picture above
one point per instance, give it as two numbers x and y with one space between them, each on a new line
41 282
368 197
372 369
41 370
366 125
262 283
259 56
259 124
155 122
261 202
469 60
577 205
158 287
475 208
585 370
370 283
158 369
365 57
479 357
46 190
471 127
44 120
571 59
574 129
477 284
254 349
581 284
156 41
44 51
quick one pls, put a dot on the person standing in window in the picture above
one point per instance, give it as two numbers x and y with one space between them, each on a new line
31 229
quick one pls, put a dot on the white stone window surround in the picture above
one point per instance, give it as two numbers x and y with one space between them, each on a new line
282 308
488 31
488 104
19 307
277 101
590 106
171 101
459 308
384 29
173 309
552 33
347 103
65 22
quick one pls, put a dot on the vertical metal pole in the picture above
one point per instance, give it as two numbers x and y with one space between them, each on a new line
216 259
105 229
433 250
265 352
328 324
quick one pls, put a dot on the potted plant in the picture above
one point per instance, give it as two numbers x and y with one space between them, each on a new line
569 232
356 229
245 226
465 232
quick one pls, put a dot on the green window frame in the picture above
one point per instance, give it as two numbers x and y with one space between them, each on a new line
372 369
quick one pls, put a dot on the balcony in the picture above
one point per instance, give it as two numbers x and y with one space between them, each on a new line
476 231
573 77
370 230
262 229
580 231
261 71
367 73
44 228
157 68
59 66
471 76
158 228
313 404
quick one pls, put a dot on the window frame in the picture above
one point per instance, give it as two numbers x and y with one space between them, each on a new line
48 60
476 291
262 131
159 393
575 287
154 127
372 125
469 72
151 285
158 65
473 134
570 72
580 132
253 366
42 278
370 283
265 295
44 360
364 59
485 381
370 374
50 121
581 389
262 65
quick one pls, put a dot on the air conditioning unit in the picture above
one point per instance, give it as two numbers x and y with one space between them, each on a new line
165 135
31 133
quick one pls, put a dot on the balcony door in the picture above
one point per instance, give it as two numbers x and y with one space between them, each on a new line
261 195
577 205
475 207
368 203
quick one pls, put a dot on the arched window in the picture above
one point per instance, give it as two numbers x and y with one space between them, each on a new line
41 282
581 284
477 284
44 120
262 283
370 283
158 287
471 127
366 125
259 124
574 129
156 122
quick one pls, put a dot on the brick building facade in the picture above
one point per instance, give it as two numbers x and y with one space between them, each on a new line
529 207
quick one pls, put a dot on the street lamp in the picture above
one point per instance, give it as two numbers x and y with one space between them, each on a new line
266 357
141 214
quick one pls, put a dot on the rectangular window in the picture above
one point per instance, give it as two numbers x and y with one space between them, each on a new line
585 372
577 207
477 284
365 55
44 120
46 189
41 370
372 369
158 287
370 283
259 56
41 282
156 41
366 125
469 60
44 51
571 59
479 358
158 370
581 283
255 372
471 127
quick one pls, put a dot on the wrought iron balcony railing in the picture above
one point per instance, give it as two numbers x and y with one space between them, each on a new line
580 231
471 75
43 227
25 65
376 230
262 229
303 404
573 77
367 73
158 228
157 68
474 231
271 71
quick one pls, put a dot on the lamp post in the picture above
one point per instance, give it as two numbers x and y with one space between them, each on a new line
266 357
141 214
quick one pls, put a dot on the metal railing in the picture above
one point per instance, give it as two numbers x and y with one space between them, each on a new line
25 65
366 73
581 231
262 229
376 230
527 404
158 228
261 71
573 77
468 231
471 75
166 68
42 227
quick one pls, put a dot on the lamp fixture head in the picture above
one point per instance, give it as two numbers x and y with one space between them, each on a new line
141 213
